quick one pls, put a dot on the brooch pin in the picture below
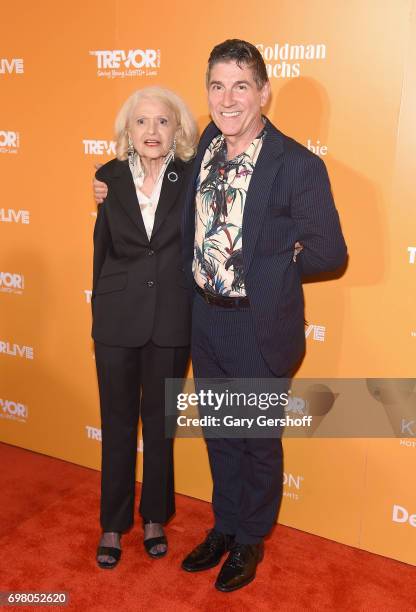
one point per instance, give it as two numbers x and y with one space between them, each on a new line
173 177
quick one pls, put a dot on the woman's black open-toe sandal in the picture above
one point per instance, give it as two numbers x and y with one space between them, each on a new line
112 553
157 546
109 551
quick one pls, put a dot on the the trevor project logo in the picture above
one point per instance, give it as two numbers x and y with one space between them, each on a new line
11 283
14 411
296 406
118 63
99 147
9 141
94 433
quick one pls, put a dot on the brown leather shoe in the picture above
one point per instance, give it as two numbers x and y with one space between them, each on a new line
239 569
208 554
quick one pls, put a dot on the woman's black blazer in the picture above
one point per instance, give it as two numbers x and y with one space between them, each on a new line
139 288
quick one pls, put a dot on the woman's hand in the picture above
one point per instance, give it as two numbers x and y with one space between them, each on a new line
298 249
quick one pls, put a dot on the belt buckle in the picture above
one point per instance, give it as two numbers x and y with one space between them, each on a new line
240 303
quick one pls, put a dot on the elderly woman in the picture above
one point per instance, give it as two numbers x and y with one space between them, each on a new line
141 311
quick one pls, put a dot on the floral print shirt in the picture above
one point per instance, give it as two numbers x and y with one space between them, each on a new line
220 198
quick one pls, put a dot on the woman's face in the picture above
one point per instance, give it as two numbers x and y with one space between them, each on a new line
152 128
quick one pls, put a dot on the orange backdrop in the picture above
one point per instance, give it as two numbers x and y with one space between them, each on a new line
344 82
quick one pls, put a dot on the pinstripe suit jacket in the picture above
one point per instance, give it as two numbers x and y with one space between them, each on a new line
289 199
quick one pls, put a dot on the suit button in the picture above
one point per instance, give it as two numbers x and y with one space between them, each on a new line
150 253
150 283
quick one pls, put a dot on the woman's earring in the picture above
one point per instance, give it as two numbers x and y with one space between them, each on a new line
130 151
173 149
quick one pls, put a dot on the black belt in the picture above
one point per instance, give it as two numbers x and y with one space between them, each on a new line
222 300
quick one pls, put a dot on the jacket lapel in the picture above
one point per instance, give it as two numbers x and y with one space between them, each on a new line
126 193
267 166
171 186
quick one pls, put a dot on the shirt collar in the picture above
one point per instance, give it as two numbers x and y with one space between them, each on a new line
249 152
137 170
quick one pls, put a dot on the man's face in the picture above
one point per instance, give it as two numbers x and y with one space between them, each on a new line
234 100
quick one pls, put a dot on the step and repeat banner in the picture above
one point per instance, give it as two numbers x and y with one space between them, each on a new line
343 77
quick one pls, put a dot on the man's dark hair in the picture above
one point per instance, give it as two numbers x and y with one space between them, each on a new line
244 54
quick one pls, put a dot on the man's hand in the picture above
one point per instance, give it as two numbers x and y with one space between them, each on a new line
100 189
298 249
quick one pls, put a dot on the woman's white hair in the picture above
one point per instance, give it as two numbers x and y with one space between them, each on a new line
186 135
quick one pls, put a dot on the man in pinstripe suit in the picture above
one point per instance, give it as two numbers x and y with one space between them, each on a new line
259 215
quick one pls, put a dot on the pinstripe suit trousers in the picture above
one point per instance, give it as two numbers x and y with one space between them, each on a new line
247 473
